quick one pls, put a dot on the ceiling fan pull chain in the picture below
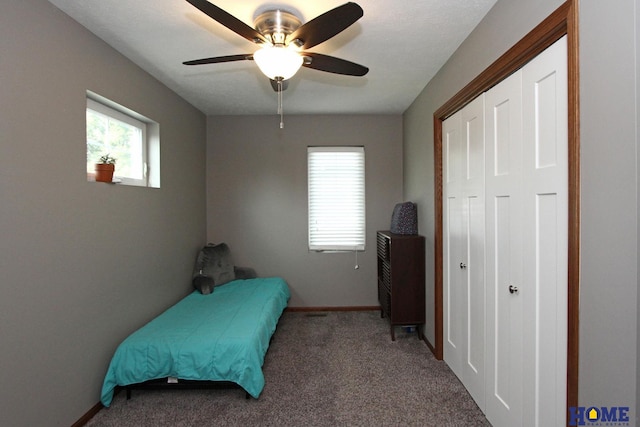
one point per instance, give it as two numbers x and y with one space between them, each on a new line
280 109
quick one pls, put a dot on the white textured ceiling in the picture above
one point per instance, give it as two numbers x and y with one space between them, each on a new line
403 42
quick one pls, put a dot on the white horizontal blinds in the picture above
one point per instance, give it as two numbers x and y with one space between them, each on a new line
336 198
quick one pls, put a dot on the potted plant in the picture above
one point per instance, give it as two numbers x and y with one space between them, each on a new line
105 168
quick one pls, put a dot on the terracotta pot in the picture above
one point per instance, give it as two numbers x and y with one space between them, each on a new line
104 173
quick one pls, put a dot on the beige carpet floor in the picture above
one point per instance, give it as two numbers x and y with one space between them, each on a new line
322 369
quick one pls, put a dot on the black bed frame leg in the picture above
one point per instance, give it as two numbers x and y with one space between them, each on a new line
128 393
247 395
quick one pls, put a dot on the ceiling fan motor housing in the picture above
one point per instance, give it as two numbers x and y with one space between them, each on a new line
276 25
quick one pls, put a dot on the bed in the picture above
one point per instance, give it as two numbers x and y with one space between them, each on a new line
222 336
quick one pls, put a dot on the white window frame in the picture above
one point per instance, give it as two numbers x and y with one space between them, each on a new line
336 198
149 134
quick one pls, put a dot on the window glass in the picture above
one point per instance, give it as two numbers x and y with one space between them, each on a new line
124 135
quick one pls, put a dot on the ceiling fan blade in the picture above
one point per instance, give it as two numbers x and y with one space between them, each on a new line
274 84
327 25
228 20
335 65
218 59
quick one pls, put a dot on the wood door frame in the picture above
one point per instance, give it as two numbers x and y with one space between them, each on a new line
563 21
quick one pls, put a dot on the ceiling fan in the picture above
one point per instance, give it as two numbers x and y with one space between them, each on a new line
284 40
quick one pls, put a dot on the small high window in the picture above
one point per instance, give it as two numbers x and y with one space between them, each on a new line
126 136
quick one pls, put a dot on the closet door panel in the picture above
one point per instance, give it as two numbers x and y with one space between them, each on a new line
463 247
504 253
473 133
453 287
475 285
473 328
546 215
452 243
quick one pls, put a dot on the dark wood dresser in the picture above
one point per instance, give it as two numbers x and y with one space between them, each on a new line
401 277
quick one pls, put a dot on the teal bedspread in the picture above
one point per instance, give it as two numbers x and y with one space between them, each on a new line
222 336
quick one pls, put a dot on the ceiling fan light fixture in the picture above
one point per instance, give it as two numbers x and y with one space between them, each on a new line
278 62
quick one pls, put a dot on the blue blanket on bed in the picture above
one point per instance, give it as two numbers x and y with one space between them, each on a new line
222 336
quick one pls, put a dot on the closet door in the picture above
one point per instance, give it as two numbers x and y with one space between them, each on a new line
452 242
464 247
473 228
507 341
527 195
545 212
504 253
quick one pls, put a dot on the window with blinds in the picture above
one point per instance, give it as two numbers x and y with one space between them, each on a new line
336 198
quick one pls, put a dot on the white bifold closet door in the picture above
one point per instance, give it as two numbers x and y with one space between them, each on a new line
505 222
545 235
463 246
521 287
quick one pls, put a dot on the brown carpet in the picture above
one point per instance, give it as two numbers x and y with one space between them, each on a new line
322 369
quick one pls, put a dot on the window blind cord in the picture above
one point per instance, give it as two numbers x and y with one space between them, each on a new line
356 267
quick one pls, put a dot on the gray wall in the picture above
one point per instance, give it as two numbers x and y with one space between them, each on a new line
637 105
82 264
609 206
257 199
609 271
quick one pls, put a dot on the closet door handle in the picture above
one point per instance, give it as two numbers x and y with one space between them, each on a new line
463 265
513 289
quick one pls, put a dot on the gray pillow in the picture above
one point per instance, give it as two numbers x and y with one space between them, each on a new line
214 262
204 284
